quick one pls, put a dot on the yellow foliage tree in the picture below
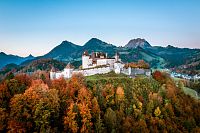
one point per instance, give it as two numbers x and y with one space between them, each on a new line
119 94
157 112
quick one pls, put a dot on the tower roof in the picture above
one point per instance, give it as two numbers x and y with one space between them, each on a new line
53 69
86 53
69 66
117 53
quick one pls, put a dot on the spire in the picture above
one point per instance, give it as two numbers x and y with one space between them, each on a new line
117 54
53 69
69 66
117 57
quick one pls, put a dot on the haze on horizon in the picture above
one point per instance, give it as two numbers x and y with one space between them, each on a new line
36 26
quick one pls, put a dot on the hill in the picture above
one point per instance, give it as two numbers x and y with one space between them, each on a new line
66 51
133 55
95 44
7 59
32 66
43 64
176 56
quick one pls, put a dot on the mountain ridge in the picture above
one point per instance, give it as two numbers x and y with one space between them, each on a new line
157 56
9 58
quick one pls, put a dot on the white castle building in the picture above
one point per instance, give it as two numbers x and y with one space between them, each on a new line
97 63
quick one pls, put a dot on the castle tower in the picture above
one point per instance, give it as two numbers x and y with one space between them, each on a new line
85 60
52 73
68 71
116 57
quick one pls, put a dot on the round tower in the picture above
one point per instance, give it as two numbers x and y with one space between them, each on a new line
68 71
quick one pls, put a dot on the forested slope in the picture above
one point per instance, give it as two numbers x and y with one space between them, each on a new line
100 103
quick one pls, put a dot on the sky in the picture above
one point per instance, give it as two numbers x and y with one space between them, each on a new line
37 26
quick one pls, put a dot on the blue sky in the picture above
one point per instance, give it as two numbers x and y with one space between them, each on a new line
36 26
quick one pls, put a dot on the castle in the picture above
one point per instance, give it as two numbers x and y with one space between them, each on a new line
97 63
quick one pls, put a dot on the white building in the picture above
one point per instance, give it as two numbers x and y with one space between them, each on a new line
98 59
66 73
96 63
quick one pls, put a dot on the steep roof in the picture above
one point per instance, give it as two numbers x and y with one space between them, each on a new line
53 69
86 53
69 66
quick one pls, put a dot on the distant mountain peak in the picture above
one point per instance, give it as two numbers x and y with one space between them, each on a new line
65 42
30 56
2 53
94 40
97 42
170 46
138 42
65 45
62 50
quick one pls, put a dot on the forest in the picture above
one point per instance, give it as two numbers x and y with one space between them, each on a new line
98 103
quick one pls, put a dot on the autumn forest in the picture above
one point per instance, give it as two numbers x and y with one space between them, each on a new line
100 103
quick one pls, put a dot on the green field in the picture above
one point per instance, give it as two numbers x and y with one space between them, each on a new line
190 92
110 75
120 77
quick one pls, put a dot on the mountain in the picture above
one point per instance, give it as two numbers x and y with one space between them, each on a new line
65 51
32 66
68 51
134 43
30 57
175 56
136 49
97 45
43 64
133 55
7 59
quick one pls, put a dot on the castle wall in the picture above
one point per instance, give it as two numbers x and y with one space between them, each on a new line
111 62
101 62
93 71
136 71
59 75
118 67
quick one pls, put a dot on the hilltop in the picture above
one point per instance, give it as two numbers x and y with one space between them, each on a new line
134 43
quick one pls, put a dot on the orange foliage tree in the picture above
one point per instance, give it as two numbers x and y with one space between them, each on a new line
160 77
37 106
70 123
139 64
